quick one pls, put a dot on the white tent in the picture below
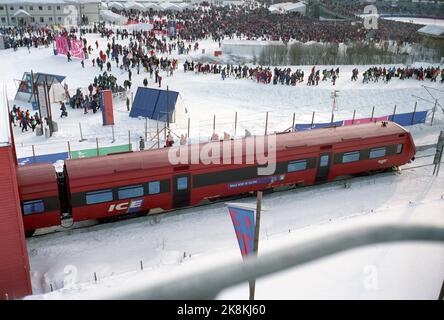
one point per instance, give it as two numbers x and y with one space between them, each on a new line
109 16
184 5
135 6
153 6
116 5
170 6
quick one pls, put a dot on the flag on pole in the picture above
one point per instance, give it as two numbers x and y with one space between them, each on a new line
244 226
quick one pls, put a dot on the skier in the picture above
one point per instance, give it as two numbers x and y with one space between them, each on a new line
145 82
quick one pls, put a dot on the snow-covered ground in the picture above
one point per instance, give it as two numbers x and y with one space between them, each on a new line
201 237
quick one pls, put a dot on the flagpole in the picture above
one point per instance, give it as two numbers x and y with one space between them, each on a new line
256 239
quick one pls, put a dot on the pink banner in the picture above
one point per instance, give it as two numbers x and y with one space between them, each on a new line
365 120
62 45
76 47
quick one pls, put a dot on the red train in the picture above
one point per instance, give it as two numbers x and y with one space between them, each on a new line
142 182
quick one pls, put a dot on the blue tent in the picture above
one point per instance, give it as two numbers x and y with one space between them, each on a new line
152 103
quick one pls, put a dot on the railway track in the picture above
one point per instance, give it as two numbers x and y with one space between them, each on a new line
155 218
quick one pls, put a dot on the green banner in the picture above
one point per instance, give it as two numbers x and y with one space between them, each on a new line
102 151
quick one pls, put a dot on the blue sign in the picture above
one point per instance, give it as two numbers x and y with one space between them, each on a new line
51 158
260 180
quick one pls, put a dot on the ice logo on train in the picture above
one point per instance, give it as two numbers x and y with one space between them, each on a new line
129 206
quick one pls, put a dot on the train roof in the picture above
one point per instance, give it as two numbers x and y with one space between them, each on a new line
36 178
126 163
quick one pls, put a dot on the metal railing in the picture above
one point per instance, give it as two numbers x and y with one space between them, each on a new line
207 284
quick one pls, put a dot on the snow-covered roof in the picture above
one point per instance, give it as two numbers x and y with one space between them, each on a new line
135 5
184 5
116 5
432 30
151 5
170 6
21 13
108 15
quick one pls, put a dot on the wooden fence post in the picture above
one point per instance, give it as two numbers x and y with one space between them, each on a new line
69 150
129 141
188 131
214 124
433 112
235 123
414 112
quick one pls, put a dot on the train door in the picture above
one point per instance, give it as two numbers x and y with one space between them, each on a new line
323 167
181 191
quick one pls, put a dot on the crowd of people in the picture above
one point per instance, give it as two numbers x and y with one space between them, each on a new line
259 23
27 36
266 75
24 118
376 74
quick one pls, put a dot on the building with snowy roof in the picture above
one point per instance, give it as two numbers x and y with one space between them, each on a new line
43 12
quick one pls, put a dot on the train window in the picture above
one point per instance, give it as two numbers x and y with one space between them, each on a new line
154 187
399 148
350 157
377 152
297 165
35 206
130 192
99 196
182 183
324 160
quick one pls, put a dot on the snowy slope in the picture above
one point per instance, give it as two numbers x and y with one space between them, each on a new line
205 96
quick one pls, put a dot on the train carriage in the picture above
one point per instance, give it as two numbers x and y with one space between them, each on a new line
152 181
39 196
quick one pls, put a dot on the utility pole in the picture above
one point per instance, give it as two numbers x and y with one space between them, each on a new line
256 238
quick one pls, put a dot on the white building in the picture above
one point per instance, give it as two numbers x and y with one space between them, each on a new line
43 12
